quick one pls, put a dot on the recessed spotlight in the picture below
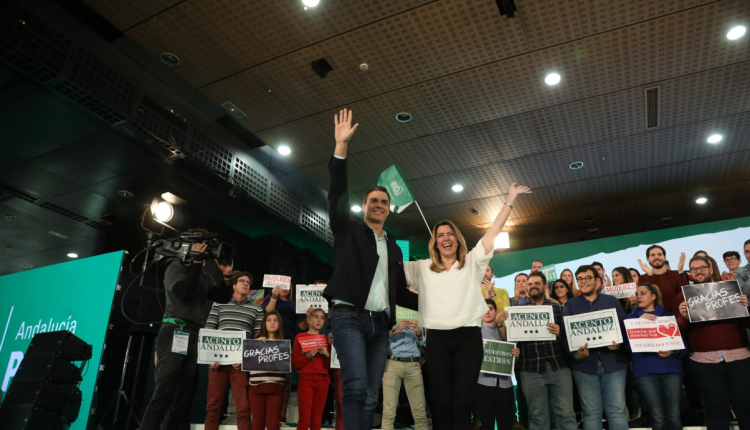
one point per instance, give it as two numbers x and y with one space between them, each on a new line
552 79
72 255
284 150
589 219
502 241
714 138
310 3
56 234
170 59
576 165
356 209
736 32
701 200
457 188
403 117
10 218
125 194
27 266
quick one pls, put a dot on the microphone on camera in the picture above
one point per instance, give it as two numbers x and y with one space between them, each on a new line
199 236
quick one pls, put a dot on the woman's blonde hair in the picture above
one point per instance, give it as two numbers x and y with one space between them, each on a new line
436 265
572 285
654 289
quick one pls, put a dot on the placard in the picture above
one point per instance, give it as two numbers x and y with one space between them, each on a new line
281 281
529 323
714 301
597 329
308 343
622 291
549 272
335 363
406 314
497 358
311 296
271 356
661 334
224 346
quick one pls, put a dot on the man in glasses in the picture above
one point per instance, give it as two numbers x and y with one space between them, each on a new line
732 261
719 360
599 373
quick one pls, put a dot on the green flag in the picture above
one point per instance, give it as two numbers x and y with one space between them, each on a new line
393 181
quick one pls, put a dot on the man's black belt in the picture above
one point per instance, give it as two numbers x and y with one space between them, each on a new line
377 315
404 359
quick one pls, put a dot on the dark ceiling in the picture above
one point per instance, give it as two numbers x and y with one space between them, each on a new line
472 79
483 117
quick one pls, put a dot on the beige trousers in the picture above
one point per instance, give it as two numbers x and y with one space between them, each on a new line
411 375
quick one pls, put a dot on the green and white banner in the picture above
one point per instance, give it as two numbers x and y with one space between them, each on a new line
311 296
399 191
597 329
529 323
497 358
224 346
549 272
406 314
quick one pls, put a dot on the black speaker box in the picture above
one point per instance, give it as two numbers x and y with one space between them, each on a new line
47 367
29 418
62 343
42 394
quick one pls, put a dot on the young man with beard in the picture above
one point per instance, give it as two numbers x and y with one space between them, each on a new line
599 373
367 282
536 265
669 281
719 360
546 379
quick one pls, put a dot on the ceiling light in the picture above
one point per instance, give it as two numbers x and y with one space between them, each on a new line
457 188
714 138
163 212
170 59
701 200
10 218
356 209
310 3
576 165
72 255
736 32
552 79
27 266
284 150
56 234
403 117
502 241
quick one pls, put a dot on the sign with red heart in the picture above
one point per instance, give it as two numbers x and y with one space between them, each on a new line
660 334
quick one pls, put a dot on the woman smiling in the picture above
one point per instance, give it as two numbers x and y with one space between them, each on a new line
451 310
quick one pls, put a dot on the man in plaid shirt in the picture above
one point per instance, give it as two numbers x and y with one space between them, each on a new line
545 377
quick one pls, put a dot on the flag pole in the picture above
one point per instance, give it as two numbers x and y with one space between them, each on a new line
425 219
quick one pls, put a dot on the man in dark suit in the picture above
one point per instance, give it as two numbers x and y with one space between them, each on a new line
367 282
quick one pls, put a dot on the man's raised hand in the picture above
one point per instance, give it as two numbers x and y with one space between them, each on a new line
344 129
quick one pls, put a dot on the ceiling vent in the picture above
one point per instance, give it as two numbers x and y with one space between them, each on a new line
652 107
322 67
666 222
234 110
594 233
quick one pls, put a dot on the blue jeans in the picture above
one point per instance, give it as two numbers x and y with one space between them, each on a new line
661 396
553 388
602 392
362 346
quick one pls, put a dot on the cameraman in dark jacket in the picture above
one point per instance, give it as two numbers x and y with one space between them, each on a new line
187 288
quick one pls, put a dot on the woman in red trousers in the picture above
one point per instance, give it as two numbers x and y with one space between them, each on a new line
312 367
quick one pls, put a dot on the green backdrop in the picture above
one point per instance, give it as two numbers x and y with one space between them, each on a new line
75 296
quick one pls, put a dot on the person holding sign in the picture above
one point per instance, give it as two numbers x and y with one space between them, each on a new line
311 359
599 373
242 314
366 284
403 367
451 310
266 389
659 374
544 374
282 301
494 394
719 361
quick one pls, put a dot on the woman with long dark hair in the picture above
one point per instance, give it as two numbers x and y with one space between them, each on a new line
562 291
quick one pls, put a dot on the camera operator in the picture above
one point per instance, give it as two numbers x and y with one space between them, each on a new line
188 288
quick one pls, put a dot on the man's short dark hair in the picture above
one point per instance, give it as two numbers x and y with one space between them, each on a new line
700 252
701 258
376 188
596 263
520 274
728 254
747 242
491 302
648 250
538 261
236 275
587 267
539 274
